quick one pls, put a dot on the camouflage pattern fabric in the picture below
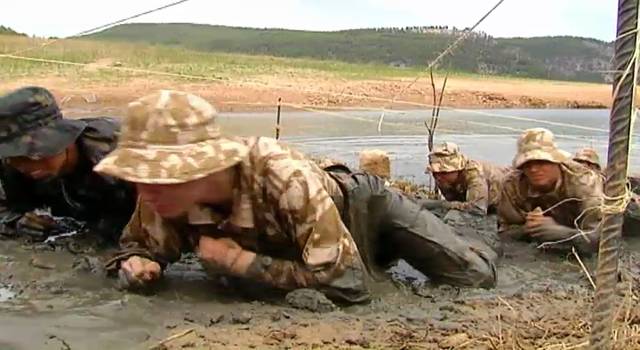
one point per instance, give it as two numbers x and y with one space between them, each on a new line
588 156
283 200
286 209
579 188
446 157
171 137
105 203
538 144
479 187
31 125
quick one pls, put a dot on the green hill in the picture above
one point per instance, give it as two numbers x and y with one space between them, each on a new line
8 31
561 58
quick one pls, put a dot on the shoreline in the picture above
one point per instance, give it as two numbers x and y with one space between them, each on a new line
327 93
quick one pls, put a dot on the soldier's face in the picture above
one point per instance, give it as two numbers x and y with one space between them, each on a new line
446 179
171 201
39 168
542 174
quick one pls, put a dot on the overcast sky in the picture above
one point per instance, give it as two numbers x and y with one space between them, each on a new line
588 18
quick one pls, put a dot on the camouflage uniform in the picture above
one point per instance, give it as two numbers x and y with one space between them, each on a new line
589 157
579 189
479 187
31 125
299 219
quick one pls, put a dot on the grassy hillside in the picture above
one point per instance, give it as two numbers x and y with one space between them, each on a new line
561 58
8 31
222 66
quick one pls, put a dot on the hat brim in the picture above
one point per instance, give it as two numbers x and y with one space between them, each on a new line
45 141
554 156
172 164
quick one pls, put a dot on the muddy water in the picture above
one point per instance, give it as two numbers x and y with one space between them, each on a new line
484 135
54 306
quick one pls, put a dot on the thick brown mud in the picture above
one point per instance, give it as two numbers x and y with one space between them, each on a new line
55 299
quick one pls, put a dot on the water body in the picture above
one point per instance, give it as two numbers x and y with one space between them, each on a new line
40 308
483 135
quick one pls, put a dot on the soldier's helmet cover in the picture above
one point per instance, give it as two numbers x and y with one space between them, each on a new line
538 144
171 137
588 155
446 157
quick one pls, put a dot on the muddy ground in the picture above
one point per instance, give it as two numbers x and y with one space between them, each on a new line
54 296
324 92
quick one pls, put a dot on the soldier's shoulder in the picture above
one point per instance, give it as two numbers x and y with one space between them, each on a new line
99 137
580 177
102 127
512 178
272 149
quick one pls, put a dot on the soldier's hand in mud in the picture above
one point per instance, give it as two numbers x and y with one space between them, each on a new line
456 205
537 218
224 253
137 272
550 232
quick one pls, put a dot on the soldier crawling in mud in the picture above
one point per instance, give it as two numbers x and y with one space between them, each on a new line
48 161
550 198
253 208
470 189
589 158
466 184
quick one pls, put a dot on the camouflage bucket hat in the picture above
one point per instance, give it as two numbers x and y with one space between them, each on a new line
446 157
538 144
31 125
170 137
588 155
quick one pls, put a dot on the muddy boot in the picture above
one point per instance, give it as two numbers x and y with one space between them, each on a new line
472 227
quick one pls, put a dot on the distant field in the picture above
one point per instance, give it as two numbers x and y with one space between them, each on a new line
173 60
250 80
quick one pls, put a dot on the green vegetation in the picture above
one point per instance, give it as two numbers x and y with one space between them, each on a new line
169 59
558 58
8 31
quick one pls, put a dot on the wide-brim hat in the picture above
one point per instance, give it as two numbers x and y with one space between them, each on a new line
171 137
557 156
538 144
172 164
31 125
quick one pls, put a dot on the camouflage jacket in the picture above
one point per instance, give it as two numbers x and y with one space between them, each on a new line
579 190
103 202
480 186
283 210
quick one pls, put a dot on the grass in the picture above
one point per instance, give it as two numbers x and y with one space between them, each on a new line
224 66
173 60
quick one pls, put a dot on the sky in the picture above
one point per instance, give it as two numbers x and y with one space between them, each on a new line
526 18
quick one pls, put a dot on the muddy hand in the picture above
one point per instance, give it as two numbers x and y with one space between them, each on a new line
137 272
534 218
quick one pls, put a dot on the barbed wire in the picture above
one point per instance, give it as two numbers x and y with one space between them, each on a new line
433 63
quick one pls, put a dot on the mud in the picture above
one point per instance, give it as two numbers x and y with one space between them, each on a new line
311 300
542 300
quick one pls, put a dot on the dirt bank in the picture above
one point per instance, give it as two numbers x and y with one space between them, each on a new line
324 92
